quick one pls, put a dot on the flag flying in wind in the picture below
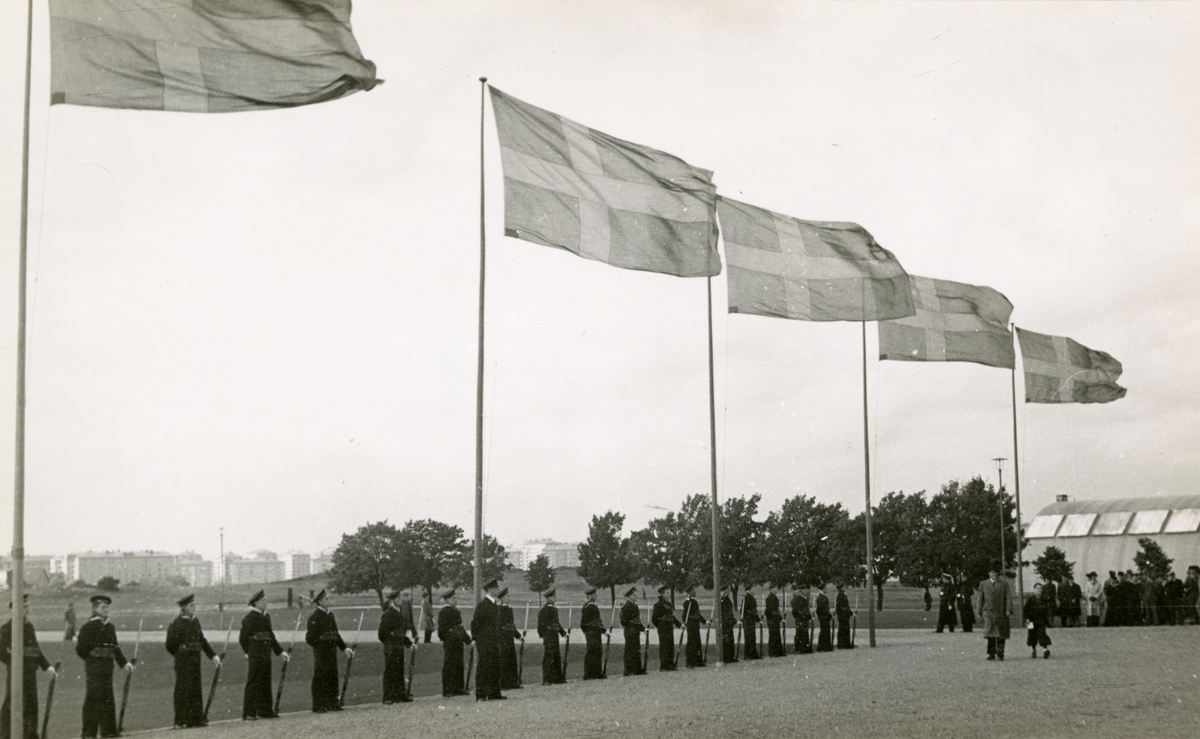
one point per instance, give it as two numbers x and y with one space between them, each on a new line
204 56
809 270
575 188
1059 370
954 323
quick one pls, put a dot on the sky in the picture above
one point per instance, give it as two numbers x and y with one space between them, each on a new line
267 322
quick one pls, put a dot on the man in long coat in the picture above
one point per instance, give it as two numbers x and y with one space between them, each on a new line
1050 601
393 636
485 627
692 618
325 639
802 616
728 624
1093 594
824 622
550 629
663 618
186 642
97 646
631 624
509 678
774 618
453 637
995 607
592 625
33 660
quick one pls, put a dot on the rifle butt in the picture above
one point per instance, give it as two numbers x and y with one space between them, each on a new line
50 700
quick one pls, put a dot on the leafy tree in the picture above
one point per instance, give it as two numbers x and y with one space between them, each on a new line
1152 561
963 537
846 550
1053 564
495 563
899 524
798 541
605 559
540 575
108 583
664 549
368 559
743 540
432 554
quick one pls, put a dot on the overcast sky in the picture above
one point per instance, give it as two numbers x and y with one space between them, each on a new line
267 321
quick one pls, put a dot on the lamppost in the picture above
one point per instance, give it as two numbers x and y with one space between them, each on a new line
1000 468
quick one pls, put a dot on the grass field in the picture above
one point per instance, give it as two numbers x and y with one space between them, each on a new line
1116 682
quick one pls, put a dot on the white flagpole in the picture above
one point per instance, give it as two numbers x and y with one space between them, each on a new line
16 678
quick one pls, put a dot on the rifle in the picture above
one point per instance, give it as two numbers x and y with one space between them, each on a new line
854 621
646 649
412 658
283 670
737 653
612 617
682 633
521 651
50 691
212 690
470 667
350 660
708 630
128 677
567 651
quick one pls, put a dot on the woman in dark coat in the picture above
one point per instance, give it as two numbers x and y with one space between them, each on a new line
1036 617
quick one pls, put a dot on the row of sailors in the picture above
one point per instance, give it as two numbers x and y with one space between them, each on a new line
492 630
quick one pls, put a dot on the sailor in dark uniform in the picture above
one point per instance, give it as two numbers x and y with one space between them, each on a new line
824 621
728 623
550 629
774 618
631 624
750 619
453 637
692 618
802 616
485 627
946 602
185 642
592 626
325 639
509 677
257 640
663 618
97 646
844 613
392 635
29 688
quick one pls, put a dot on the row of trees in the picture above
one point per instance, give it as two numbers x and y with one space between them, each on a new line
424 553
808 543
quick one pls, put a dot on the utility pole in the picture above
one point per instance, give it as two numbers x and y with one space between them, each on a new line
221 609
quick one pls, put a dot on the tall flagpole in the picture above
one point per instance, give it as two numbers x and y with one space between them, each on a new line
716 511
16 677
478 579
1017 488
867 477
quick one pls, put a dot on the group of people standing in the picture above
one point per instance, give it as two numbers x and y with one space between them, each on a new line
1132 599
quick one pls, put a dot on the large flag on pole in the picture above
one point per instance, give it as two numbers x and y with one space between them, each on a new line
204 56
624 204
955 322
1059 370
809 270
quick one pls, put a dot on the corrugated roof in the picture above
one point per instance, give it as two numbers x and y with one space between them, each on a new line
1122 504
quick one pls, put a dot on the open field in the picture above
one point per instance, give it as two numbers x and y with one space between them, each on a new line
1115 682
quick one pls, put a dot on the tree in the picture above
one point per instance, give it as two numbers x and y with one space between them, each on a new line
108 583
432 553
899 525
495 563
540 575
368 559
1052 565
664 549
798 544
1152 561
963 538
604 559
743 559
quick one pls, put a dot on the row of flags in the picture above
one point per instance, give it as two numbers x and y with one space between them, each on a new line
631 206
565 185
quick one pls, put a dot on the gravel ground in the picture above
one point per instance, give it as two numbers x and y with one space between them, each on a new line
1126 682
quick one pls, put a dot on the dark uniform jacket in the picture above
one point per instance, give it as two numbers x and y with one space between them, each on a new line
691 612
771 609
663 616
97 644
590 620
548 625
185 640
392 630
322 633
256 637
33 652
801 613
631 617
750 611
